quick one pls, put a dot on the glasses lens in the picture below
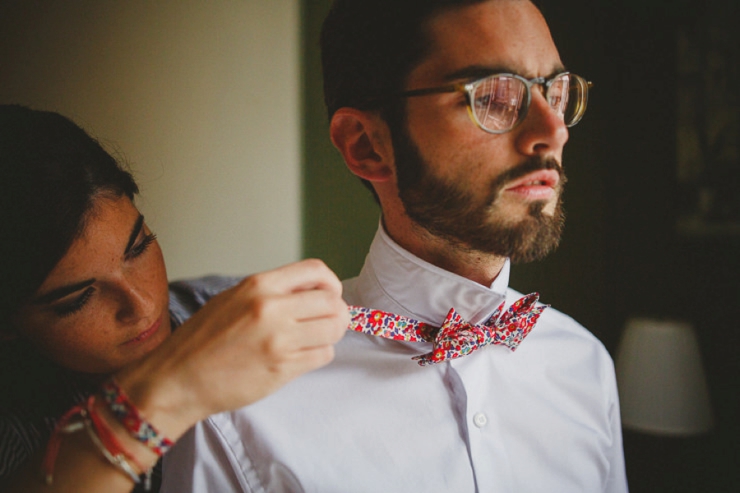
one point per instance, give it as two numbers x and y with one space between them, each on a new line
567 96
498 101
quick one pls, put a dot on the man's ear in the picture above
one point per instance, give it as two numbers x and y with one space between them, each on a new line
364 140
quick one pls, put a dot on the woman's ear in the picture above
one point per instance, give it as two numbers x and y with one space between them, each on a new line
363 139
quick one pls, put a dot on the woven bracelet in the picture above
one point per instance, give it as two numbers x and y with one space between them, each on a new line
118 460
101 436
127 413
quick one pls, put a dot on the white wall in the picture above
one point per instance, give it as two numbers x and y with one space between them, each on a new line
200 97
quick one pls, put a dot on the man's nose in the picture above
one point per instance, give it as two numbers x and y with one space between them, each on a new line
543 131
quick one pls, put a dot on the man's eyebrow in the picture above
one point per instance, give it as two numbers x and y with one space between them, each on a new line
473 72
135 232
61 292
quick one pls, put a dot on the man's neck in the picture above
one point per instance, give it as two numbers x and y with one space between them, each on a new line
479 267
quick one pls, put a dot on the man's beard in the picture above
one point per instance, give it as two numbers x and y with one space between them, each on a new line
449 211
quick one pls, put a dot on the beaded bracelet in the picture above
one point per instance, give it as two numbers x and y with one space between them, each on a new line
127 413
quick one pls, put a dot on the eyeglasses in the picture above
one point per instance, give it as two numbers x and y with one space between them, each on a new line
498 102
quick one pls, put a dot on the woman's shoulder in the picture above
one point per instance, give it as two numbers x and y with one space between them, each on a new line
19 439
33 393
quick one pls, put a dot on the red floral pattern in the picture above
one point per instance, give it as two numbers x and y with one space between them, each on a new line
456 337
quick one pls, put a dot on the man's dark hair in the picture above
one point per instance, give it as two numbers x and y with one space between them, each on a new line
368 49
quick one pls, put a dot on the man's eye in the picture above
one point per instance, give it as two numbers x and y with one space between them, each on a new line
483 101
492 104
558 102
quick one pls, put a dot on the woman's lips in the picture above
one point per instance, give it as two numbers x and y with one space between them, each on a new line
146 334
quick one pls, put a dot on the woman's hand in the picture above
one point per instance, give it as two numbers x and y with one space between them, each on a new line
241 346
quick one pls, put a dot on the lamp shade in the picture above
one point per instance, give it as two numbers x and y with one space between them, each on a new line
662 387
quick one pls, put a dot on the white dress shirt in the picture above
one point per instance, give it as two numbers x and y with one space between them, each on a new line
544 418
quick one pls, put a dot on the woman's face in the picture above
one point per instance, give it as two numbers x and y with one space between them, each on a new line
105 304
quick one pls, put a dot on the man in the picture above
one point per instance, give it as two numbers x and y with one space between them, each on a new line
466 165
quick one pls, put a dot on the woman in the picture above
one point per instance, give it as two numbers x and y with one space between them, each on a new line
85 300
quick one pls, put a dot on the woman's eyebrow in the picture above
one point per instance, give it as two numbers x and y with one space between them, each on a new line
61 292
135 232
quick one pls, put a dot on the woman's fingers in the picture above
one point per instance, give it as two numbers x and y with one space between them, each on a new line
305 275
295 322
243 345
309 305
254 338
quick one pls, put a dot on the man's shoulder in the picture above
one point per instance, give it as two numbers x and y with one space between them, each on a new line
204 286
188 295
349 290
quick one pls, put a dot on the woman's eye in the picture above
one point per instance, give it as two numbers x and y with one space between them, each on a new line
68 308
142 246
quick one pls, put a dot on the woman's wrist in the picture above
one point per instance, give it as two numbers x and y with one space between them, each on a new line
143 456
163 399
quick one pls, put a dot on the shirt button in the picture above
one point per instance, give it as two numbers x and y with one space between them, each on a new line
480 420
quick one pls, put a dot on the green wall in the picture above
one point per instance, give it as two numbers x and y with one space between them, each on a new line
339 214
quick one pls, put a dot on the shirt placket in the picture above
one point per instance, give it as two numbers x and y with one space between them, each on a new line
488 455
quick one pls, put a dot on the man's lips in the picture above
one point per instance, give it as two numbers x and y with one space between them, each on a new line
143 336
540 185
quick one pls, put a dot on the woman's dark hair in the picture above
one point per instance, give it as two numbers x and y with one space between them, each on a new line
51 171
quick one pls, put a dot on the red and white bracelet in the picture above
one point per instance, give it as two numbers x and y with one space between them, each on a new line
102 437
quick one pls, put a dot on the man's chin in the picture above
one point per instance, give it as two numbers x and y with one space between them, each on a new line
549 209
512 215
523 235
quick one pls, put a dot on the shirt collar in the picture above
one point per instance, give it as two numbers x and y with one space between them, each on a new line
394 279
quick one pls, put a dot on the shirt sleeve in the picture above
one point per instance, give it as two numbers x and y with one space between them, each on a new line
617 479
189 295
201 461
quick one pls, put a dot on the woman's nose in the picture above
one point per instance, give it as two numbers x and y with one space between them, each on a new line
135 302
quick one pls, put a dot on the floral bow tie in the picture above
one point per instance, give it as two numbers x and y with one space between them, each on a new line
455 337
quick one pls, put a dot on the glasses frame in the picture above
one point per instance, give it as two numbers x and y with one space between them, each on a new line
469 88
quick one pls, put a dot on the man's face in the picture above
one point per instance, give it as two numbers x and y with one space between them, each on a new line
498 194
